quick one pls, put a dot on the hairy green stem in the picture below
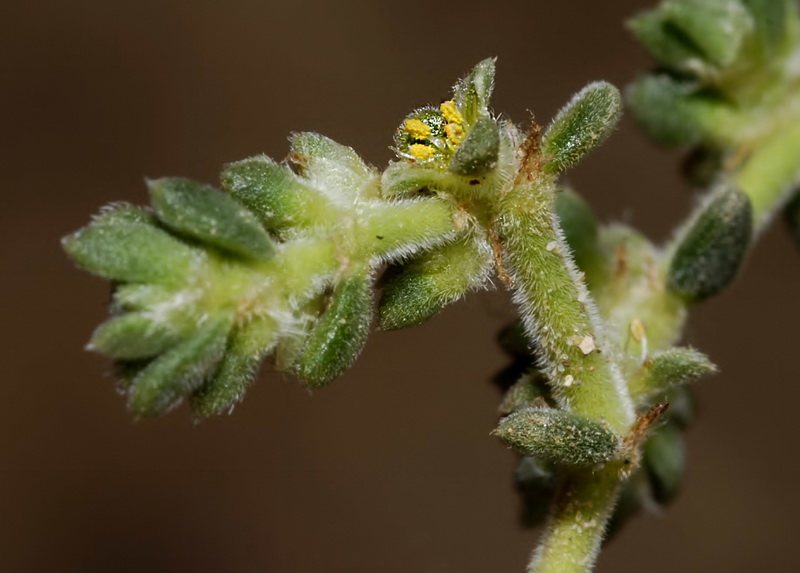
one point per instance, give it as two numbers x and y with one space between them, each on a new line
768 176
557 308
574 530
560 315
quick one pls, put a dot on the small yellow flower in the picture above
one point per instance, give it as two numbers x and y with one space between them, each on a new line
421 152
450 112
417 129
455 133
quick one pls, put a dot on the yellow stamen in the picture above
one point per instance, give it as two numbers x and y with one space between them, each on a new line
450 112
455 133
416 129
421 151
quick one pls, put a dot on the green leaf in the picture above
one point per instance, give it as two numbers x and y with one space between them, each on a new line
664 461
579 226
417 291
472 93
713 246
165 381
133 336
126 251
208 215
339 335
477 154
677 367
336 169
581 125
676 112
236 371
558 436
124 213
404 178
668 45
142 296
274 194
717 27
670 369
291 342
531 387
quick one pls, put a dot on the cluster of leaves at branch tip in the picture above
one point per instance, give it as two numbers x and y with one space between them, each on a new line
283 260
726 87
709 87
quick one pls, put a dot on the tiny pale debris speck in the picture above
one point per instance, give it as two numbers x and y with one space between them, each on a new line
587 344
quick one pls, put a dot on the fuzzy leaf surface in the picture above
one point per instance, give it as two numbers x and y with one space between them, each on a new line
558 436
201 212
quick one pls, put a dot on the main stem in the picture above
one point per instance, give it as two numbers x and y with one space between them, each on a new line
557 309
575 353
574 532
770 173
560 316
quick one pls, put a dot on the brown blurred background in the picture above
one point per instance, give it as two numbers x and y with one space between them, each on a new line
391 469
